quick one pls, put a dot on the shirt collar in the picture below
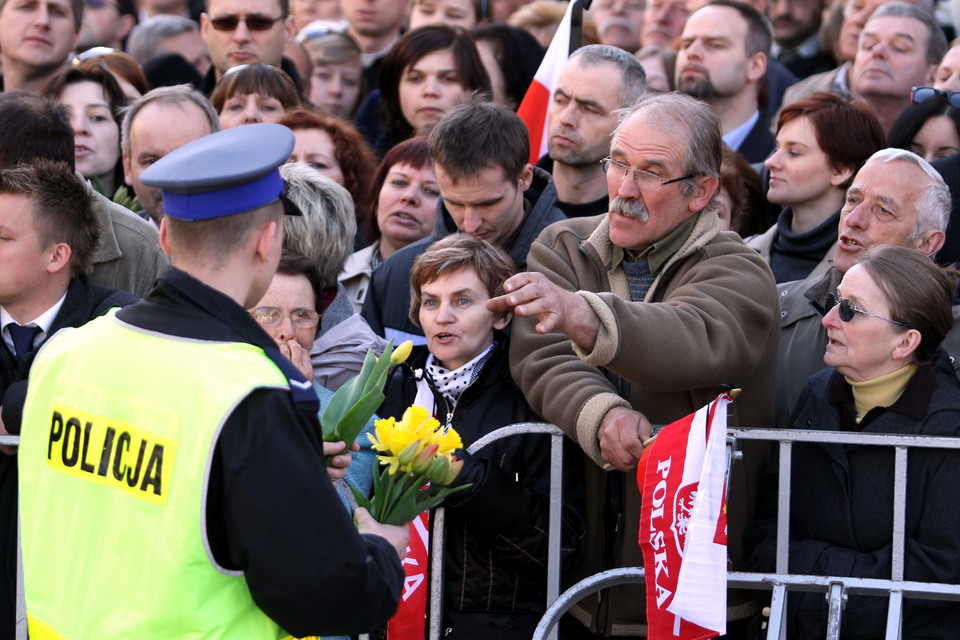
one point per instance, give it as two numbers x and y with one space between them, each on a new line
44 321
736 137
657 254
806 49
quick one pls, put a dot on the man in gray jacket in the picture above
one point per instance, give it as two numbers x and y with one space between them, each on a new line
128 256
896 198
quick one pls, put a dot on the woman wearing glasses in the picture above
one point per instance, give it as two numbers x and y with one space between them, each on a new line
822 141
930 126
889 315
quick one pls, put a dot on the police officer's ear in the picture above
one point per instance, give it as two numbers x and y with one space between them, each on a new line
269 240
59 257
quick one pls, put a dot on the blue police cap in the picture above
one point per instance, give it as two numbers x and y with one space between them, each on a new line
223 173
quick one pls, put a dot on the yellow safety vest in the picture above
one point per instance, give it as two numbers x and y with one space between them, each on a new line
118 434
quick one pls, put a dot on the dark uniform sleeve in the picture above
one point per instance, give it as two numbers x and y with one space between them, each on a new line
272 512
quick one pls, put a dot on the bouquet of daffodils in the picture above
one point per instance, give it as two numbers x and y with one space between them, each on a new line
355 402
417 456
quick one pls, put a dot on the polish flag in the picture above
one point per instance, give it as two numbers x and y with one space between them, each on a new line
683 526
533 108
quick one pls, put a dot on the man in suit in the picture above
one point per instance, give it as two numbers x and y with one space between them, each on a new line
49 230
723 57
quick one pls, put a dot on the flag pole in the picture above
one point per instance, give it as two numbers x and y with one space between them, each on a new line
576 23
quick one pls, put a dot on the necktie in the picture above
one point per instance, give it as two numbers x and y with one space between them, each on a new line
22 338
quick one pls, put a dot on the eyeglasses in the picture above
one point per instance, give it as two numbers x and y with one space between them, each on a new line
920 94
99 4
847 309
643 179
301 318
254 22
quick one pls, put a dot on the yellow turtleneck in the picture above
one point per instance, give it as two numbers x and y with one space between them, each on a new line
880 392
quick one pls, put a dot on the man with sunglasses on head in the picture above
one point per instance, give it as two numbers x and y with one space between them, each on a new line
639 317
896 198
244 32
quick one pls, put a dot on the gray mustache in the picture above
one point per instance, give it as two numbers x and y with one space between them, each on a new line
629 208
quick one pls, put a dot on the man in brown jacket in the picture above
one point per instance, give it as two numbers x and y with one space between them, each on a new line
640 317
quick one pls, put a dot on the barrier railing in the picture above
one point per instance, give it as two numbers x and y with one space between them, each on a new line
835 588
553 541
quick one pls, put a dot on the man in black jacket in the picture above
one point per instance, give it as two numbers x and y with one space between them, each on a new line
487 189
48 230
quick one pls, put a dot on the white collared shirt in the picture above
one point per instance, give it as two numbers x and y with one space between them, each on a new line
44 321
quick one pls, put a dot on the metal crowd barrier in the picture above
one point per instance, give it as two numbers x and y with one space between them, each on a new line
835 588
556 497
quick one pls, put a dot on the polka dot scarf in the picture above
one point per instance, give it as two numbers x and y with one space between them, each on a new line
452 383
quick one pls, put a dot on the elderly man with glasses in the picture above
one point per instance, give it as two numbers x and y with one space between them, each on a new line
639 317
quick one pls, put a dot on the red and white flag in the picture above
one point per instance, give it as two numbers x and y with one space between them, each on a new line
683 526
409 622
536 101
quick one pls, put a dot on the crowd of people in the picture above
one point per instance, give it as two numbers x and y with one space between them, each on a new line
221 207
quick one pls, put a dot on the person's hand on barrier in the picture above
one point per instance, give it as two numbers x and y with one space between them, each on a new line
6 449
533 294
299 356
398 536
621 435
339 464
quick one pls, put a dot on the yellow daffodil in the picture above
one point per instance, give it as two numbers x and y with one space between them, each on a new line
417 452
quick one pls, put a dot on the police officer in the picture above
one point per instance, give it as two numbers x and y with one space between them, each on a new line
171 458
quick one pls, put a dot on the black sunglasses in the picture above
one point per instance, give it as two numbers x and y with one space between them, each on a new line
254 23
847 309
919 94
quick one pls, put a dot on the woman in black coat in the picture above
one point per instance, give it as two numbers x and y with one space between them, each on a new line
496 531
885 324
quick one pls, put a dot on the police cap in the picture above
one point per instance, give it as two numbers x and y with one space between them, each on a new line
224 173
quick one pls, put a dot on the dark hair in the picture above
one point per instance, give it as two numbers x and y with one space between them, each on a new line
411 48
497 138
120 64
518 54
262 79
294 264
759 31
735 176
847 130
413 152
62 208
116 99
34 126
919 293
455 252
905 127
350 150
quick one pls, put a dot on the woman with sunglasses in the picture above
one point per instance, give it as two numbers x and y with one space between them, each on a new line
888 375
822 141
930 126
95 102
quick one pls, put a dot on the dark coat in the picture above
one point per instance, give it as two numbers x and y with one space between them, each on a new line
841 511
496 531
388 299
84 302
